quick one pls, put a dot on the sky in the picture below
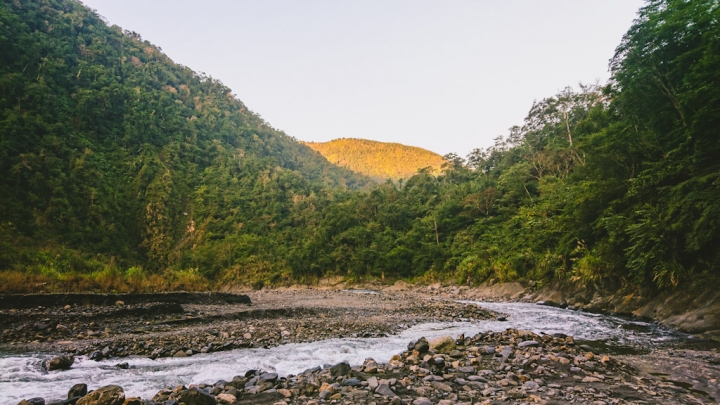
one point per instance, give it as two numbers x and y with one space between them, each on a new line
448 76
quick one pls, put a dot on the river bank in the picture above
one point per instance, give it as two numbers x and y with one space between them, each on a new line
296 318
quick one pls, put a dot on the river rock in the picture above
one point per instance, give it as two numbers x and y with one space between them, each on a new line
77 390
442 344
422 401
32 401
133 401
267 377
528 343
225 398
384 389
422 345
107 395
352 382
63 362
340 369
195 396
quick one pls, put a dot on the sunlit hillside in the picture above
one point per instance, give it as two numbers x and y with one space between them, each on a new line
379 160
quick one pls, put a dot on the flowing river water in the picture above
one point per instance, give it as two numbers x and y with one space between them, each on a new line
21 376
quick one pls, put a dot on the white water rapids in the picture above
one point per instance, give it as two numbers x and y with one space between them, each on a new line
22 377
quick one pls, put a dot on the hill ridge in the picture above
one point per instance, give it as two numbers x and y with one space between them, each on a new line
376 159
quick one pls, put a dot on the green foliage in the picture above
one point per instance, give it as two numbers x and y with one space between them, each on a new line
116 158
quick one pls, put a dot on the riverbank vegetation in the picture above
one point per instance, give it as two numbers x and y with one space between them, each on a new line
116 161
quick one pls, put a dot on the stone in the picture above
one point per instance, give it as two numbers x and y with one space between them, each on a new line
195 396
340 369
63 362
267 377
528 343
441 386
530 386
107 395
285 392
352 382
122 366
442 344
180 353
384 390
422 345
371 366
77 390
225 398
133 401
33 401
422 401
327 387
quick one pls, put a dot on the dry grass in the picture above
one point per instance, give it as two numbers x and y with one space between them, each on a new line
17 282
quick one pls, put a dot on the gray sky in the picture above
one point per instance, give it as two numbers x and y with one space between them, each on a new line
448 76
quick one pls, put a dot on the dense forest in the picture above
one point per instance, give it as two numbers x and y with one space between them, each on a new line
379 160
122 170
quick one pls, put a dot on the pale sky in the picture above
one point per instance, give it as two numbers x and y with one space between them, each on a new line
447 76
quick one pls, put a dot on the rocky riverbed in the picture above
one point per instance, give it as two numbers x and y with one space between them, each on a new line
504 366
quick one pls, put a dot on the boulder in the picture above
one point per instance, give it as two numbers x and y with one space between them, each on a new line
77 390
422 345
340 369
442 344
63 362
107 395
195 396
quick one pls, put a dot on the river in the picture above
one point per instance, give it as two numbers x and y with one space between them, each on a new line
21 376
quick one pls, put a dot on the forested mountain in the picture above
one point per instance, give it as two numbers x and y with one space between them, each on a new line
379 160
122 168
113 155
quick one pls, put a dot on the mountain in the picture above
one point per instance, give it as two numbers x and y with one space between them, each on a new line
379 160
121 170
112 155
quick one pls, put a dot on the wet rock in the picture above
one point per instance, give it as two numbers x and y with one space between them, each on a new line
78 390
340 369
195 396
32 401
123 366
422 345
267 377
107 395
63 362
133 401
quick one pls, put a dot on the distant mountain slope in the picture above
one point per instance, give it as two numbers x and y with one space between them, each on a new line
379 160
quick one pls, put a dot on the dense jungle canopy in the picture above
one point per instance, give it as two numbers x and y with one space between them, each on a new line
123 170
